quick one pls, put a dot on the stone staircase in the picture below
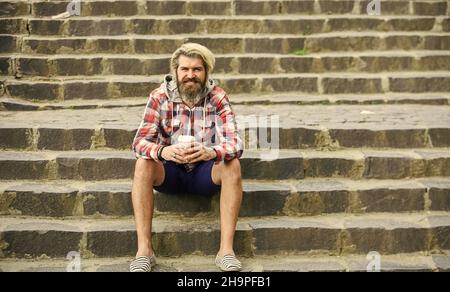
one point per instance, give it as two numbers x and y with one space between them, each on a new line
364 131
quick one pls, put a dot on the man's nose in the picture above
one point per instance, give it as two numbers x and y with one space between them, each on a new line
190 74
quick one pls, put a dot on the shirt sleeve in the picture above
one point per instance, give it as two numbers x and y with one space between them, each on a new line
144 143
230 143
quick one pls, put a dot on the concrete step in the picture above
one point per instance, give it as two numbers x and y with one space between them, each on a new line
294 98
16 104
176 236
234 44
289 98
261 198
91 65
128 8
407 262
120 86
289 164
291 126
290 24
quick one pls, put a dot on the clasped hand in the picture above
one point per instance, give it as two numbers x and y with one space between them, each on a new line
188 153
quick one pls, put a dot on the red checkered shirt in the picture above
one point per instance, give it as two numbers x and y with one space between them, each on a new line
166 116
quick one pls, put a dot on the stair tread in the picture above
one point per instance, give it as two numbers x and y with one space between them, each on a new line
159 78
372 117
303 185
18 104
332 98
341 34
207 223
259 263
360 153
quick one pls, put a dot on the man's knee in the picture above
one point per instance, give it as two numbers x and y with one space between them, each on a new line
233 169
145 167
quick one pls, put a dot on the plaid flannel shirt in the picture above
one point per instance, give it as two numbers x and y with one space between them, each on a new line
166 116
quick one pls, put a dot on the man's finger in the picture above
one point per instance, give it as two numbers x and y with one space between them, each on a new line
177 155
181 161
192 150
200 158
179 152
178 159
193 156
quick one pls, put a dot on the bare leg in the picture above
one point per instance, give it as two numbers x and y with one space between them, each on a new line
228 174
147 173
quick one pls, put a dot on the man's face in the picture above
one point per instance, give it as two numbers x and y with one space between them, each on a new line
191 76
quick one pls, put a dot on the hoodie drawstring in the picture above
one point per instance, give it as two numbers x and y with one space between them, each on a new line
204 119
190 123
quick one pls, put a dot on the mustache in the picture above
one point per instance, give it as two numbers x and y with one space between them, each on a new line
191 80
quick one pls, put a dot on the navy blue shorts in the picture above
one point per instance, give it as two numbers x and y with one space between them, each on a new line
198 181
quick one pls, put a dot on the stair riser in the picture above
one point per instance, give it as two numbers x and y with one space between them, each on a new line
308 85
252 168
105 27
404 99
235 45
252 242
293 138
255 203
224 65
129 8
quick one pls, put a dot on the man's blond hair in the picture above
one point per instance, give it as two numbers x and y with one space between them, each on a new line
193 50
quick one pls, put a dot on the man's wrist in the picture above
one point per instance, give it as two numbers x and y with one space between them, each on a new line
213 153
160 153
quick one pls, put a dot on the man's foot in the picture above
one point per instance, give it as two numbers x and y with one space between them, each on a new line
143 263
228 263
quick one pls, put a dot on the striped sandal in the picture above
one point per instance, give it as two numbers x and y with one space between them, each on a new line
228 263
143 264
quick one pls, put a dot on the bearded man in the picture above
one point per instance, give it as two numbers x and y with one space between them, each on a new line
188 142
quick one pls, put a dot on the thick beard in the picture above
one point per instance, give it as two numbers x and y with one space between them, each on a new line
191 93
